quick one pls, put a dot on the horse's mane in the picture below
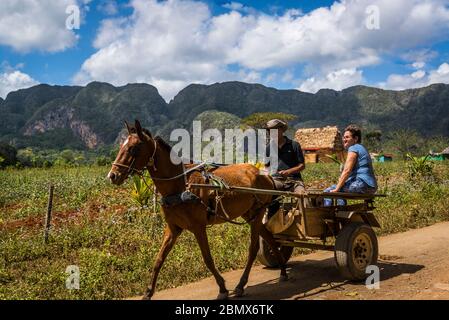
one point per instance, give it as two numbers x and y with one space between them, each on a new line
163 143
158 139
147 132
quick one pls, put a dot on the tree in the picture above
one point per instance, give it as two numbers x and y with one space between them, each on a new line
436 144
406 141
9 155
67 156
102 161
373 140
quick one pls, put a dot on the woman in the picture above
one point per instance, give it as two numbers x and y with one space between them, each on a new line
358 173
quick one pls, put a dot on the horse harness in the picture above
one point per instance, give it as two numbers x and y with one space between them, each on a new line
188 196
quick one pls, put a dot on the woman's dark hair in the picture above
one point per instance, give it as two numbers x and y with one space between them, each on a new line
355 132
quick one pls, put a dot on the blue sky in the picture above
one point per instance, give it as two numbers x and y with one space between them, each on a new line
304 45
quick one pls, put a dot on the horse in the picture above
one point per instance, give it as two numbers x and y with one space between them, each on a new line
141 151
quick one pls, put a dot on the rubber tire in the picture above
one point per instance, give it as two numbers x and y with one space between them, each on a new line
266 256
344 250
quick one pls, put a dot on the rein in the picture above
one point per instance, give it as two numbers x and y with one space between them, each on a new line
218 198
151 163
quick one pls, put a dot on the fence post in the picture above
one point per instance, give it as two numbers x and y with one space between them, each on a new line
154 199
48 217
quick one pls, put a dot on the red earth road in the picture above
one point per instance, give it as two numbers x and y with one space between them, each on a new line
413 265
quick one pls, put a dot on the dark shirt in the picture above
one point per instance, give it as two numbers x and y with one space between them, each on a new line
289 155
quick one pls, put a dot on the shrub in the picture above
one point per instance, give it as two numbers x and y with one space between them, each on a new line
141 190
8 155
419 167
102 161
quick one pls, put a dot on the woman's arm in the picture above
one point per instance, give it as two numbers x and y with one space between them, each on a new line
349 165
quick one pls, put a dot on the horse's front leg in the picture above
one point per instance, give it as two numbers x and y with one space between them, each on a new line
171 233
201 238
253 248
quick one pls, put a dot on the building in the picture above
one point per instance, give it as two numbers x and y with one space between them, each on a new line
443 155
384 157
320 144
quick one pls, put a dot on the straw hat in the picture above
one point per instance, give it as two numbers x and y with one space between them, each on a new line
276 124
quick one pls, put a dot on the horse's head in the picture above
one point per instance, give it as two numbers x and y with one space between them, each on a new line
134 154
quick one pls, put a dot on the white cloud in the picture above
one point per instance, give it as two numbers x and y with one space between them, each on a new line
417 79
14 80
337 80
418 74
337 37
27 25
108 7
173 43
159 45
418 64
236 6
421 55
441 75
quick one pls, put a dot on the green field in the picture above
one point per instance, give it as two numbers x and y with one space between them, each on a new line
114 242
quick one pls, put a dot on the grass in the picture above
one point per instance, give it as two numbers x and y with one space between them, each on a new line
99 228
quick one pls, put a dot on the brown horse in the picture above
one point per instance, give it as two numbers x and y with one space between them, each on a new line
141 151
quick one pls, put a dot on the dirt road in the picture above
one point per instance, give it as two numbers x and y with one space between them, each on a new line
413 265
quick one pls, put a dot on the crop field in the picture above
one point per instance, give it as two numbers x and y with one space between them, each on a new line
114 241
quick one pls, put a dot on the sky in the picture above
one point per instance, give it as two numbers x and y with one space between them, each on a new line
294 44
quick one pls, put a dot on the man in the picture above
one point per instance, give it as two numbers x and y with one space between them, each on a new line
290 162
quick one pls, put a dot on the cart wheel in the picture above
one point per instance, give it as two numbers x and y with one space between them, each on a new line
355 249
268 258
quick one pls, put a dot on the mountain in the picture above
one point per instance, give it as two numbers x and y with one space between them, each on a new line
92 116
238 98
78 117
420 109
20 105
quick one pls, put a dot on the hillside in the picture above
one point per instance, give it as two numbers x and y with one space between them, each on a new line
92 116
80 117
371 107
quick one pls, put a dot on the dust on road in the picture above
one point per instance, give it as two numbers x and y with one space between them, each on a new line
413 265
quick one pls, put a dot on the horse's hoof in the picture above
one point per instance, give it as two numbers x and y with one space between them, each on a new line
222 295
283 278
238 292
147 296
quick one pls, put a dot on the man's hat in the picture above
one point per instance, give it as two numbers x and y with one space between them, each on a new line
276 124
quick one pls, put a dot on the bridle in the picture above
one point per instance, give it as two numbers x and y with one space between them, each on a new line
132 170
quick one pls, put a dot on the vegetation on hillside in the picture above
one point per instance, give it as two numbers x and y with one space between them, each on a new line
258 120
214 119
103 108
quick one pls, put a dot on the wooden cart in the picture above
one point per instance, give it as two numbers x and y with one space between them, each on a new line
302 221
